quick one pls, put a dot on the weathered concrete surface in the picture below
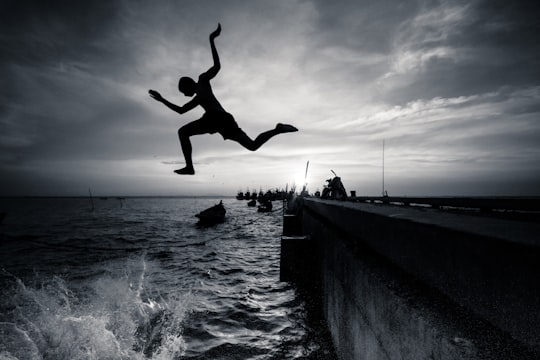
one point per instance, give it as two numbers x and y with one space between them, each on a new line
487 267
296 255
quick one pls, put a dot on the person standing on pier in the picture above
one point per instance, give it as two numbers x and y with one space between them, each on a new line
215 119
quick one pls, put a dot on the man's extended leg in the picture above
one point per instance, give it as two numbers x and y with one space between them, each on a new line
193 128
253 145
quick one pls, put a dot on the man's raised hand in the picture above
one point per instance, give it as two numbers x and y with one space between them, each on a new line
155 95
216 32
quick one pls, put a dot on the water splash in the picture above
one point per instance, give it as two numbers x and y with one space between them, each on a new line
114 314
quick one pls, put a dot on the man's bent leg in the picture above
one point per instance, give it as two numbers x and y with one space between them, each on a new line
193 128
185 144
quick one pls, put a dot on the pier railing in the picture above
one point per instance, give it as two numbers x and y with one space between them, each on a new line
484 204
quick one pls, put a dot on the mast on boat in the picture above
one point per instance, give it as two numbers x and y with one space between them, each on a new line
91 199
383 193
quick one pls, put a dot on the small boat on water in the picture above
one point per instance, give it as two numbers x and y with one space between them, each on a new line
266 206
212 215
252 203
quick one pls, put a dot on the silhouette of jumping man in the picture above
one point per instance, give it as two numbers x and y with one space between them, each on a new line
215 118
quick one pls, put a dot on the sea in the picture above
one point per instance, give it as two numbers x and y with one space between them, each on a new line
138 278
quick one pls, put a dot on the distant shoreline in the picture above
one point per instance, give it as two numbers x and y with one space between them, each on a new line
233 196
115 197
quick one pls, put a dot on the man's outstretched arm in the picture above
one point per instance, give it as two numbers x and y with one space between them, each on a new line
179 109
217 65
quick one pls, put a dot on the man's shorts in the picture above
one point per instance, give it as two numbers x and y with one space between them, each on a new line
223 123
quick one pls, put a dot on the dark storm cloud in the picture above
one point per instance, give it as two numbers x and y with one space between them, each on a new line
39 41
484 46
369 28
36 32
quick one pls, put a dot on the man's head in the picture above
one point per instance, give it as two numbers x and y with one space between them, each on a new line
187 86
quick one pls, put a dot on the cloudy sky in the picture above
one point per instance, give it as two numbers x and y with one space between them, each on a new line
452 87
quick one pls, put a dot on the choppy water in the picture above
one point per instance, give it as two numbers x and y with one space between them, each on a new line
137 279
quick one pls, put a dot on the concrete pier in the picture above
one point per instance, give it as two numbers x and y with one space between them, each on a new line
414 283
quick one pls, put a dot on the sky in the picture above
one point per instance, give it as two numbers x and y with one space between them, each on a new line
452 88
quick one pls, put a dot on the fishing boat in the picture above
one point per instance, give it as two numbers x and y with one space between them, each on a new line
252 203
265 207
212 215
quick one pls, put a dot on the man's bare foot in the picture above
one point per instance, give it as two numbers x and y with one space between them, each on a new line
185 171
284 128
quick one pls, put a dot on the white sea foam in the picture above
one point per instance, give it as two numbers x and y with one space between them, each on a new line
110 317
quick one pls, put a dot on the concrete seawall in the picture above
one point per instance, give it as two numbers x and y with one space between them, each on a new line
406 283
